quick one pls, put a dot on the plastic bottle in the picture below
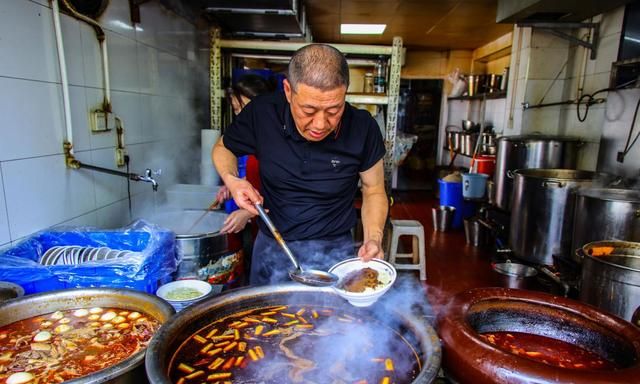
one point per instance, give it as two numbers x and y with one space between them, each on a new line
379 82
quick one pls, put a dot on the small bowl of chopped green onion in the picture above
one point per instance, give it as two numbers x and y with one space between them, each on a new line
182 293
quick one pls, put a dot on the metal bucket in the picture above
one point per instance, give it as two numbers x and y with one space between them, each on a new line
605 213
205 253
442 217
475 233
611 276
515 275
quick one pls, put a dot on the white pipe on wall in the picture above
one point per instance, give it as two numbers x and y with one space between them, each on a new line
105 71
63 73
102 40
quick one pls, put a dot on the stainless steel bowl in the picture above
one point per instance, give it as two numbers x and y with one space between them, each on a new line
127 371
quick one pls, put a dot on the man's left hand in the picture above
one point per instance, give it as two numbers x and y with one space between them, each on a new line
370 249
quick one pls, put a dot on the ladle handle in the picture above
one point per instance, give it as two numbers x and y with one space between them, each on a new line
276 234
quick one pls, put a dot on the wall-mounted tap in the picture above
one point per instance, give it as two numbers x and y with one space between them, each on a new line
148 177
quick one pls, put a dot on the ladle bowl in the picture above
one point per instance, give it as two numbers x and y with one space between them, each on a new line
310 277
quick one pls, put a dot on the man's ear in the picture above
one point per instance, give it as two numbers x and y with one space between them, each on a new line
287 89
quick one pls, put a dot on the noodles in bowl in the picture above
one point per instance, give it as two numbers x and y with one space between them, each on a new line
362 283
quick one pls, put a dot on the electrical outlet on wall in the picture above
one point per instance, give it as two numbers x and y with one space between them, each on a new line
120 154
101 121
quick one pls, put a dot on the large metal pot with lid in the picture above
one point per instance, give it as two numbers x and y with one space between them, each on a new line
610 277
605 213
127 371
530 152
204 252
542 212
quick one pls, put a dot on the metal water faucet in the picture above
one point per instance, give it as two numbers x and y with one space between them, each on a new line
148 177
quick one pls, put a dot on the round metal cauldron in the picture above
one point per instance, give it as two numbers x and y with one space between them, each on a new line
128 371
528 152
10 291
610 277
415 330
542 212
605 213
205 253
468 358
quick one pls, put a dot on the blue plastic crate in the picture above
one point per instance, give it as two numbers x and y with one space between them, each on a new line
152 266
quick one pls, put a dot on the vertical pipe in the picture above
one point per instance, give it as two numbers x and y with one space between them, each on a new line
63 73
105 72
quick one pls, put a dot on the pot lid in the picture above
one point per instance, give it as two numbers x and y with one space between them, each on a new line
612 194
539 138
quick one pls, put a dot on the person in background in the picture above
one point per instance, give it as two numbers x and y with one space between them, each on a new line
239 95
313 149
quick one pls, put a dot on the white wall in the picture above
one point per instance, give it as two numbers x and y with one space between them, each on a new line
537 59
159 84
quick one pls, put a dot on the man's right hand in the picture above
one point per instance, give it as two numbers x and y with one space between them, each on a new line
244 194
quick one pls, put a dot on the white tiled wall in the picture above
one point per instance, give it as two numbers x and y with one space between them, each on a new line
617 123
538 58
157 73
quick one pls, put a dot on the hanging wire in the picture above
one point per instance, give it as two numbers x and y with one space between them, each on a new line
627 146
126 161
592 100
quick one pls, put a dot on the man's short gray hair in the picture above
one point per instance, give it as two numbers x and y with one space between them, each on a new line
320 66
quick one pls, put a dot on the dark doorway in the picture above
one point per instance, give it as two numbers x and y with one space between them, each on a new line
419 115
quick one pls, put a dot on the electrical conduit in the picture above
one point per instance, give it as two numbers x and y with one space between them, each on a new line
63 76
102 40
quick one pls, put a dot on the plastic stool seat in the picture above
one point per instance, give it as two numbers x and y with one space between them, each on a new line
418 258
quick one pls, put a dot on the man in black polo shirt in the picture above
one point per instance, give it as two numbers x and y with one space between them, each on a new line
313 148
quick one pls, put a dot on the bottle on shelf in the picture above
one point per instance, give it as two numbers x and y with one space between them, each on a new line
379 82
368 83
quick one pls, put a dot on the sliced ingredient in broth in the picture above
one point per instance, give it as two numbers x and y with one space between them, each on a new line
65 345
302 344
547 350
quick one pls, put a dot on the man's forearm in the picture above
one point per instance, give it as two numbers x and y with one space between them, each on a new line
374 214
225 161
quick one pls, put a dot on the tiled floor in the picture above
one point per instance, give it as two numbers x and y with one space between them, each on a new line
452 265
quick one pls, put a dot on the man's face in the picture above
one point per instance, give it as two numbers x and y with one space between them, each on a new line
316 113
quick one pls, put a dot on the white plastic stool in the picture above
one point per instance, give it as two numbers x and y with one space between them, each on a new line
419 261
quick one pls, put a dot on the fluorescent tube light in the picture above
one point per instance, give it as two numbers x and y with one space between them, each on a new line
362 29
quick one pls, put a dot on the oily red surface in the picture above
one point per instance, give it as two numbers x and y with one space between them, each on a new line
471 360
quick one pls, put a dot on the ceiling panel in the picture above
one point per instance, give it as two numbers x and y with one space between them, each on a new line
423 24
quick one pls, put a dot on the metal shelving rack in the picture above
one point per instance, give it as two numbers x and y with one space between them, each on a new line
269 48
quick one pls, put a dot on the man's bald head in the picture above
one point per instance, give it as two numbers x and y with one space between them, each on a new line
320 66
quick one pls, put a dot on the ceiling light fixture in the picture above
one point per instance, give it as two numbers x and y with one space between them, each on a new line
362 29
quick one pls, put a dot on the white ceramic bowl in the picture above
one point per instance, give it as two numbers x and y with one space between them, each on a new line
202 286
386 274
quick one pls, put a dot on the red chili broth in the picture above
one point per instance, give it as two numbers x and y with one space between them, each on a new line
77 353
324 358
549 351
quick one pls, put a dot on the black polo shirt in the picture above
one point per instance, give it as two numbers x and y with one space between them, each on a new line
308 187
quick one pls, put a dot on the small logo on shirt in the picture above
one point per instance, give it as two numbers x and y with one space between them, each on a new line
335 163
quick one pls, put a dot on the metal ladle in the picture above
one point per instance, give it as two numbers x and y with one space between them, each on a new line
308 276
